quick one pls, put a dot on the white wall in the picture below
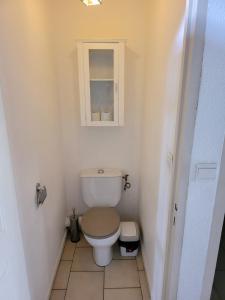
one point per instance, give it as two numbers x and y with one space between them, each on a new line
31 106
101 147
207 147
165 56
13 279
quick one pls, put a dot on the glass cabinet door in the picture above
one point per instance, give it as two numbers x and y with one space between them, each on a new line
102 83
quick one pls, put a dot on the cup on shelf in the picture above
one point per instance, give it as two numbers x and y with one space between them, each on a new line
106 116
96 116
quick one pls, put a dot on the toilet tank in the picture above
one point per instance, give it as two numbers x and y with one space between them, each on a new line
101 187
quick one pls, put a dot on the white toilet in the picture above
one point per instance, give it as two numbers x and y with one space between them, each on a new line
101 191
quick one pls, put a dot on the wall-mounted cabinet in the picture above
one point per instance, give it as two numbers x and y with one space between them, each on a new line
101 79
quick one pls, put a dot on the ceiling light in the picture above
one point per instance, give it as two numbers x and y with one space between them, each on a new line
91 2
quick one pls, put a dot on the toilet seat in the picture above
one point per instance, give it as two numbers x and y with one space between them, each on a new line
100 222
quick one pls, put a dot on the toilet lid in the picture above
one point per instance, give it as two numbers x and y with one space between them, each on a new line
100 222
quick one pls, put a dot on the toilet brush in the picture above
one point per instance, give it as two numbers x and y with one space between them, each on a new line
74 227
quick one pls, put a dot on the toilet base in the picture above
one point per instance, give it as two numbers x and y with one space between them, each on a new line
102 248
102 256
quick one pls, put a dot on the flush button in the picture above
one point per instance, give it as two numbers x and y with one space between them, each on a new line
206 171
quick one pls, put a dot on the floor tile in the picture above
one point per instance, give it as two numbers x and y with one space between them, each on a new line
140 263
116 253
84 261
62 275
220 266
68 250
144 285
214 295
122 274
222 244
85 286
219 283
58 295
83 243
123 294
222 240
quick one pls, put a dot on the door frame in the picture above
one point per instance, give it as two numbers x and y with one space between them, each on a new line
189 96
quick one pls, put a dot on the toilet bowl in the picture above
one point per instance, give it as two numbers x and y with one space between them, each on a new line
101 191
102 248
101 228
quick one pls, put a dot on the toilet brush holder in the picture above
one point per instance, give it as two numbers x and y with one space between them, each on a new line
74 228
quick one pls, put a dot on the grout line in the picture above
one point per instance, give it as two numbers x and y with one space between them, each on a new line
66 259
136 264
68 281
70 272
74 253
124 288
82 271
140 284
127 259
124 259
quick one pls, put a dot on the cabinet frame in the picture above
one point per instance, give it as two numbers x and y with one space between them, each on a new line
118 48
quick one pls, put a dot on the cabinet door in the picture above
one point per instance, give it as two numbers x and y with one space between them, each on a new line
101 69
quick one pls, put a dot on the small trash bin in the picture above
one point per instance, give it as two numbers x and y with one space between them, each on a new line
129 239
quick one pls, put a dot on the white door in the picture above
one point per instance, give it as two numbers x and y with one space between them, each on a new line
190 97
13 280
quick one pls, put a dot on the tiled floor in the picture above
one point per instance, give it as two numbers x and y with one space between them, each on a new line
79 278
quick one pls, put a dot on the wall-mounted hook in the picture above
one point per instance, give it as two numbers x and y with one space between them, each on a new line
127 184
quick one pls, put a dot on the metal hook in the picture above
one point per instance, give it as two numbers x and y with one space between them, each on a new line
127 184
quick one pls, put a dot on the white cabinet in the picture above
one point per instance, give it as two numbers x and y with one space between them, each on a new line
101 80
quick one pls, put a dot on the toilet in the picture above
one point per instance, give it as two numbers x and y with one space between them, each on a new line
101 191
